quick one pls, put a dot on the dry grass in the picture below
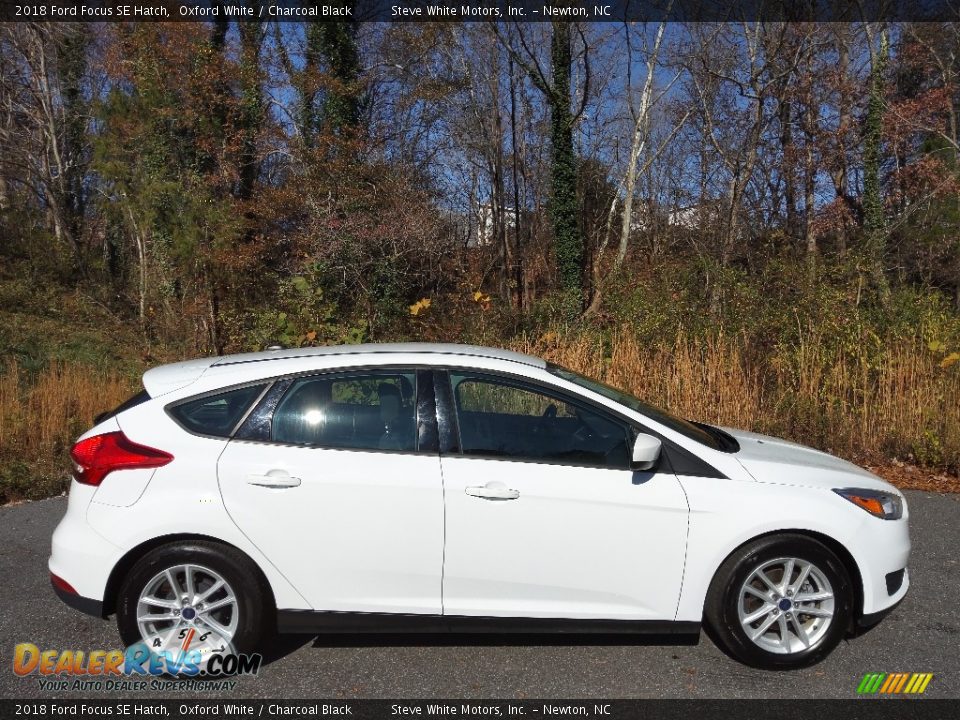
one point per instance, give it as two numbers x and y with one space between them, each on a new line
41 417
899 410
10 405
902 407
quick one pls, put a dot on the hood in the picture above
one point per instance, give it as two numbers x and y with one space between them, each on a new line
770 459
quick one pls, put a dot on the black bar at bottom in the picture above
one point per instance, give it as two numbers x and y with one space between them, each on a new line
188 708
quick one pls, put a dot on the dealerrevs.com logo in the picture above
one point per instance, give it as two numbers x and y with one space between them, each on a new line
136 668
894 683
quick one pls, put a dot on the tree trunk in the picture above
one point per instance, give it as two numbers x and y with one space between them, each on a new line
517 269
641 133
252 107
564 203
873 246
789 163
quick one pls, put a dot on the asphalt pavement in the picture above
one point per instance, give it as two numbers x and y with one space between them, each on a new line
920 636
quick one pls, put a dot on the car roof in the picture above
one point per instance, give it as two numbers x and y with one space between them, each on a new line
382 349
166 378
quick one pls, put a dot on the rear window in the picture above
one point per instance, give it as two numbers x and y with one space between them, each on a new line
218 414
138 399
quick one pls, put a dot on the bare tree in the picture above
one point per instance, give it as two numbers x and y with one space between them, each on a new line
731 76
43 133
641 116
555 84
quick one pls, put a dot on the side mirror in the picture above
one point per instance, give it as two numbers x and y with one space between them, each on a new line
646 452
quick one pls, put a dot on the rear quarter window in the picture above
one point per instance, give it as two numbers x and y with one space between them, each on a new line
215 415
138 399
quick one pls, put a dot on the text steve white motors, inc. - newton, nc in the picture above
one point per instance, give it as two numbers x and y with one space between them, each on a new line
482 11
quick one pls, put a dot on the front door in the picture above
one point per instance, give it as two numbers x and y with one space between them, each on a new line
545 518
339 491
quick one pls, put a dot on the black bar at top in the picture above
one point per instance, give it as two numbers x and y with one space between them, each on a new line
481 10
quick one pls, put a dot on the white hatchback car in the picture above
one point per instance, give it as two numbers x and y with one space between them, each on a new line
418 487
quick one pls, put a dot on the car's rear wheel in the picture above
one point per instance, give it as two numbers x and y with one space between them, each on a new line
780 602
192 597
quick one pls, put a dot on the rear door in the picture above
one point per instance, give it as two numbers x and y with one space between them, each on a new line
545 518
336 478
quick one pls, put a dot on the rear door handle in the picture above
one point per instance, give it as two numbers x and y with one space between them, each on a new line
274 479
493 491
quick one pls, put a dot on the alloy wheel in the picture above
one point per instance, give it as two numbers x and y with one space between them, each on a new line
786 605
188 608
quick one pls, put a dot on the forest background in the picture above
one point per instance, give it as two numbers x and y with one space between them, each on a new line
753 224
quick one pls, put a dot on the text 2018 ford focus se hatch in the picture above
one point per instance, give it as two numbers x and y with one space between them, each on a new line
448 487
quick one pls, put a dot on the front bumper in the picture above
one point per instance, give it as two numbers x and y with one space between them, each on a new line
865 622
882 552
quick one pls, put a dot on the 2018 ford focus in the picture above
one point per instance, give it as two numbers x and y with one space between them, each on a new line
448 487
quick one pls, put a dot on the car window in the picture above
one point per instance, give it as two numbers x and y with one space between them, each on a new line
217 414
369 411
138 399
695 431
505 419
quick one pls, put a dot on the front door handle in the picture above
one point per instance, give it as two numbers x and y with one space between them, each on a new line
274 479
493 491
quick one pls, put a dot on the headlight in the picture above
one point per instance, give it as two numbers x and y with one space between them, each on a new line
879 504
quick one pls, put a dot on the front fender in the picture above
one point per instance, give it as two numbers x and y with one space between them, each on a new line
725 514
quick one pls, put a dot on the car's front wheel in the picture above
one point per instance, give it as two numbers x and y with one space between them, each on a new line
194 597
780 602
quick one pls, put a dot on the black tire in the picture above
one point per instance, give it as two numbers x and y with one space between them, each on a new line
723 598
233 566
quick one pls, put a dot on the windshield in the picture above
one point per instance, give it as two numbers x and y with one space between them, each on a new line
705 434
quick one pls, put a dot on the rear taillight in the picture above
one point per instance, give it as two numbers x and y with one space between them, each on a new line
99 455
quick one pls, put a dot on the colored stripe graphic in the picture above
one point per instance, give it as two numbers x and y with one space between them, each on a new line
870 683
903 680
894 683
918 683
891 680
